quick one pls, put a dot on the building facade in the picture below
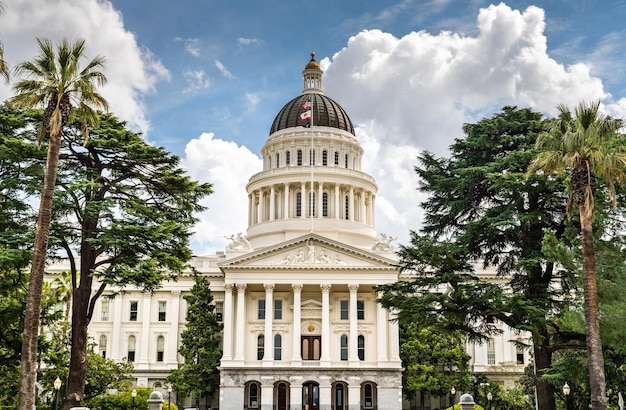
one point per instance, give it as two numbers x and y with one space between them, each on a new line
302 326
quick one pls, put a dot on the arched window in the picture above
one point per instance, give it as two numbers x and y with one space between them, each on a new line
278 347
324 157
103 346
299 159
260 347
344 347
277 160
160 348
311 203
345 161
368 395
336 158
312 157
132 342
491 352
253 399
361 347
288 157
299 203
276 206
347 204
325 204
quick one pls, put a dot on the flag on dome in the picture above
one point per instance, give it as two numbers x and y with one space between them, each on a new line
307 104
306 115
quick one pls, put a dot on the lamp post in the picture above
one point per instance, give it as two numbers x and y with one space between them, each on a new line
57 386
566 392
489 397
452 394
134 394
169 395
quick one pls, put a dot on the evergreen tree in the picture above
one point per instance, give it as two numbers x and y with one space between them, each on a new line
200 345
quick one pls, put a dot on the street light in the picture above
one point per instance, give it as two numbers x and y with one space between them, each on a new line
566 392
169 395
489 397
57 386
134 394
452 394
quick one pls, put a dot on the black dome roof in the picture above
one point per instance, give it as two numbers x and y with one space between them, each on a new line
326 113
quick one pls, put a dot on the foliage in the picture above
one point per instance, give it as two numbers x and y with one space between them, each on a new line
200 344
481 208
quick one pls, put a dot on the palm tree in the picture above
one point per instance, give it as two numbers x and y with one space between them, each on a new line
4 67
587 147
57 82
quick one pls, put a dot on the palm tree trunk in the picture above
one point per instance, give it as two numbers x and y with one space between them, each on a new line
597 383
28 369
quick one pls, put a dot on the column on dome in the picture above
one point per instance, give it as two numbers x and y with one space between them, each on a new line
227 320
383 330
172 354
325 356
241 321
337 203
373 210
268 357
363 217
352 340
351 210
286 194
272 204
297 323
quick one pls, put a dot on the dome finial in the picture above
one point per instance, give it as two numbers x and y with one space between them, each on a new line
312 63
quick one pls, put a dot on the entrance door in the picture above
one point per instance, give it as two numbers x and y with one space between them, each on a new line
310 396
311 347
281 402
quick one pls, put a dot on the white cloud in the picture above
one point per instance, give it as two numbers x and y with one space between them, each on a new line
132 71
227 166
196 81
192 45
223 70
247 41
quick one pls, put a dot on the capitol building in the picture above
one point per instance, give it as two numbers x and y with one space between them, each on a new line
295 291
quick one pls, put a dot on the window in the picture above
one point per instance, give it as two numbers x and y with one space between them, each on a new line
102 346
519 353
162 309
132 342
219 311
260 347
277 160
253 395
345 161
312 157
491 352
336 158
104 310
360 310
361 347
288 157
133 311
299 159
299 204
347 203
311 203
261 310
160 348
324 158
325 204
344 310
369 398
278 309
278 347
344 347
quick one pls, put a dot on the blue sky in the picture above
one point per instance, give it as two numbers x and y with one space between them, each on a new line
206 78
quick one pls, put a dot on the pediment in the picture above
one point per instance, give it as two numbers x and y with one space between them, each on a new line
310 251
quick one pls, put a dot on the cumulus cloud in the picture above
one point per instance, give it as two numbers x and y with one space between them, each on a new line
227 166
133 71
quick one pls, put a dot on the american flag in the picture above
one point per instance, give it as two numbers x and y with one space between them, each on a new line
307 104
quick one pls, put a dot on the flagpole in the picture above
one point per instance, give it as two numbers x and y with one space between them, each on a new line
312 163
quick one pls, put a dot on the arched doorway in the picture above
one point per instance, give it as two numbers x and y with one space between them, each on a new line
281 394
310 396
340 396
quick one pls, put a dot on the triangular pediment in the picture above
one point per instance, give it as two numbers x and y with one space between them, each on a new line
309 252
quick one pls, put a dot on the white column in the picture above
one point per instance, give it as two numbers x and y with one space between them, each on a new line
272 203
394 338
267 396
296 325
173 313
241 321
382 331
118 307
363 208
287 193
144 342
373 210
250 207
325 357
352 346
227 320
337 203
268 357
